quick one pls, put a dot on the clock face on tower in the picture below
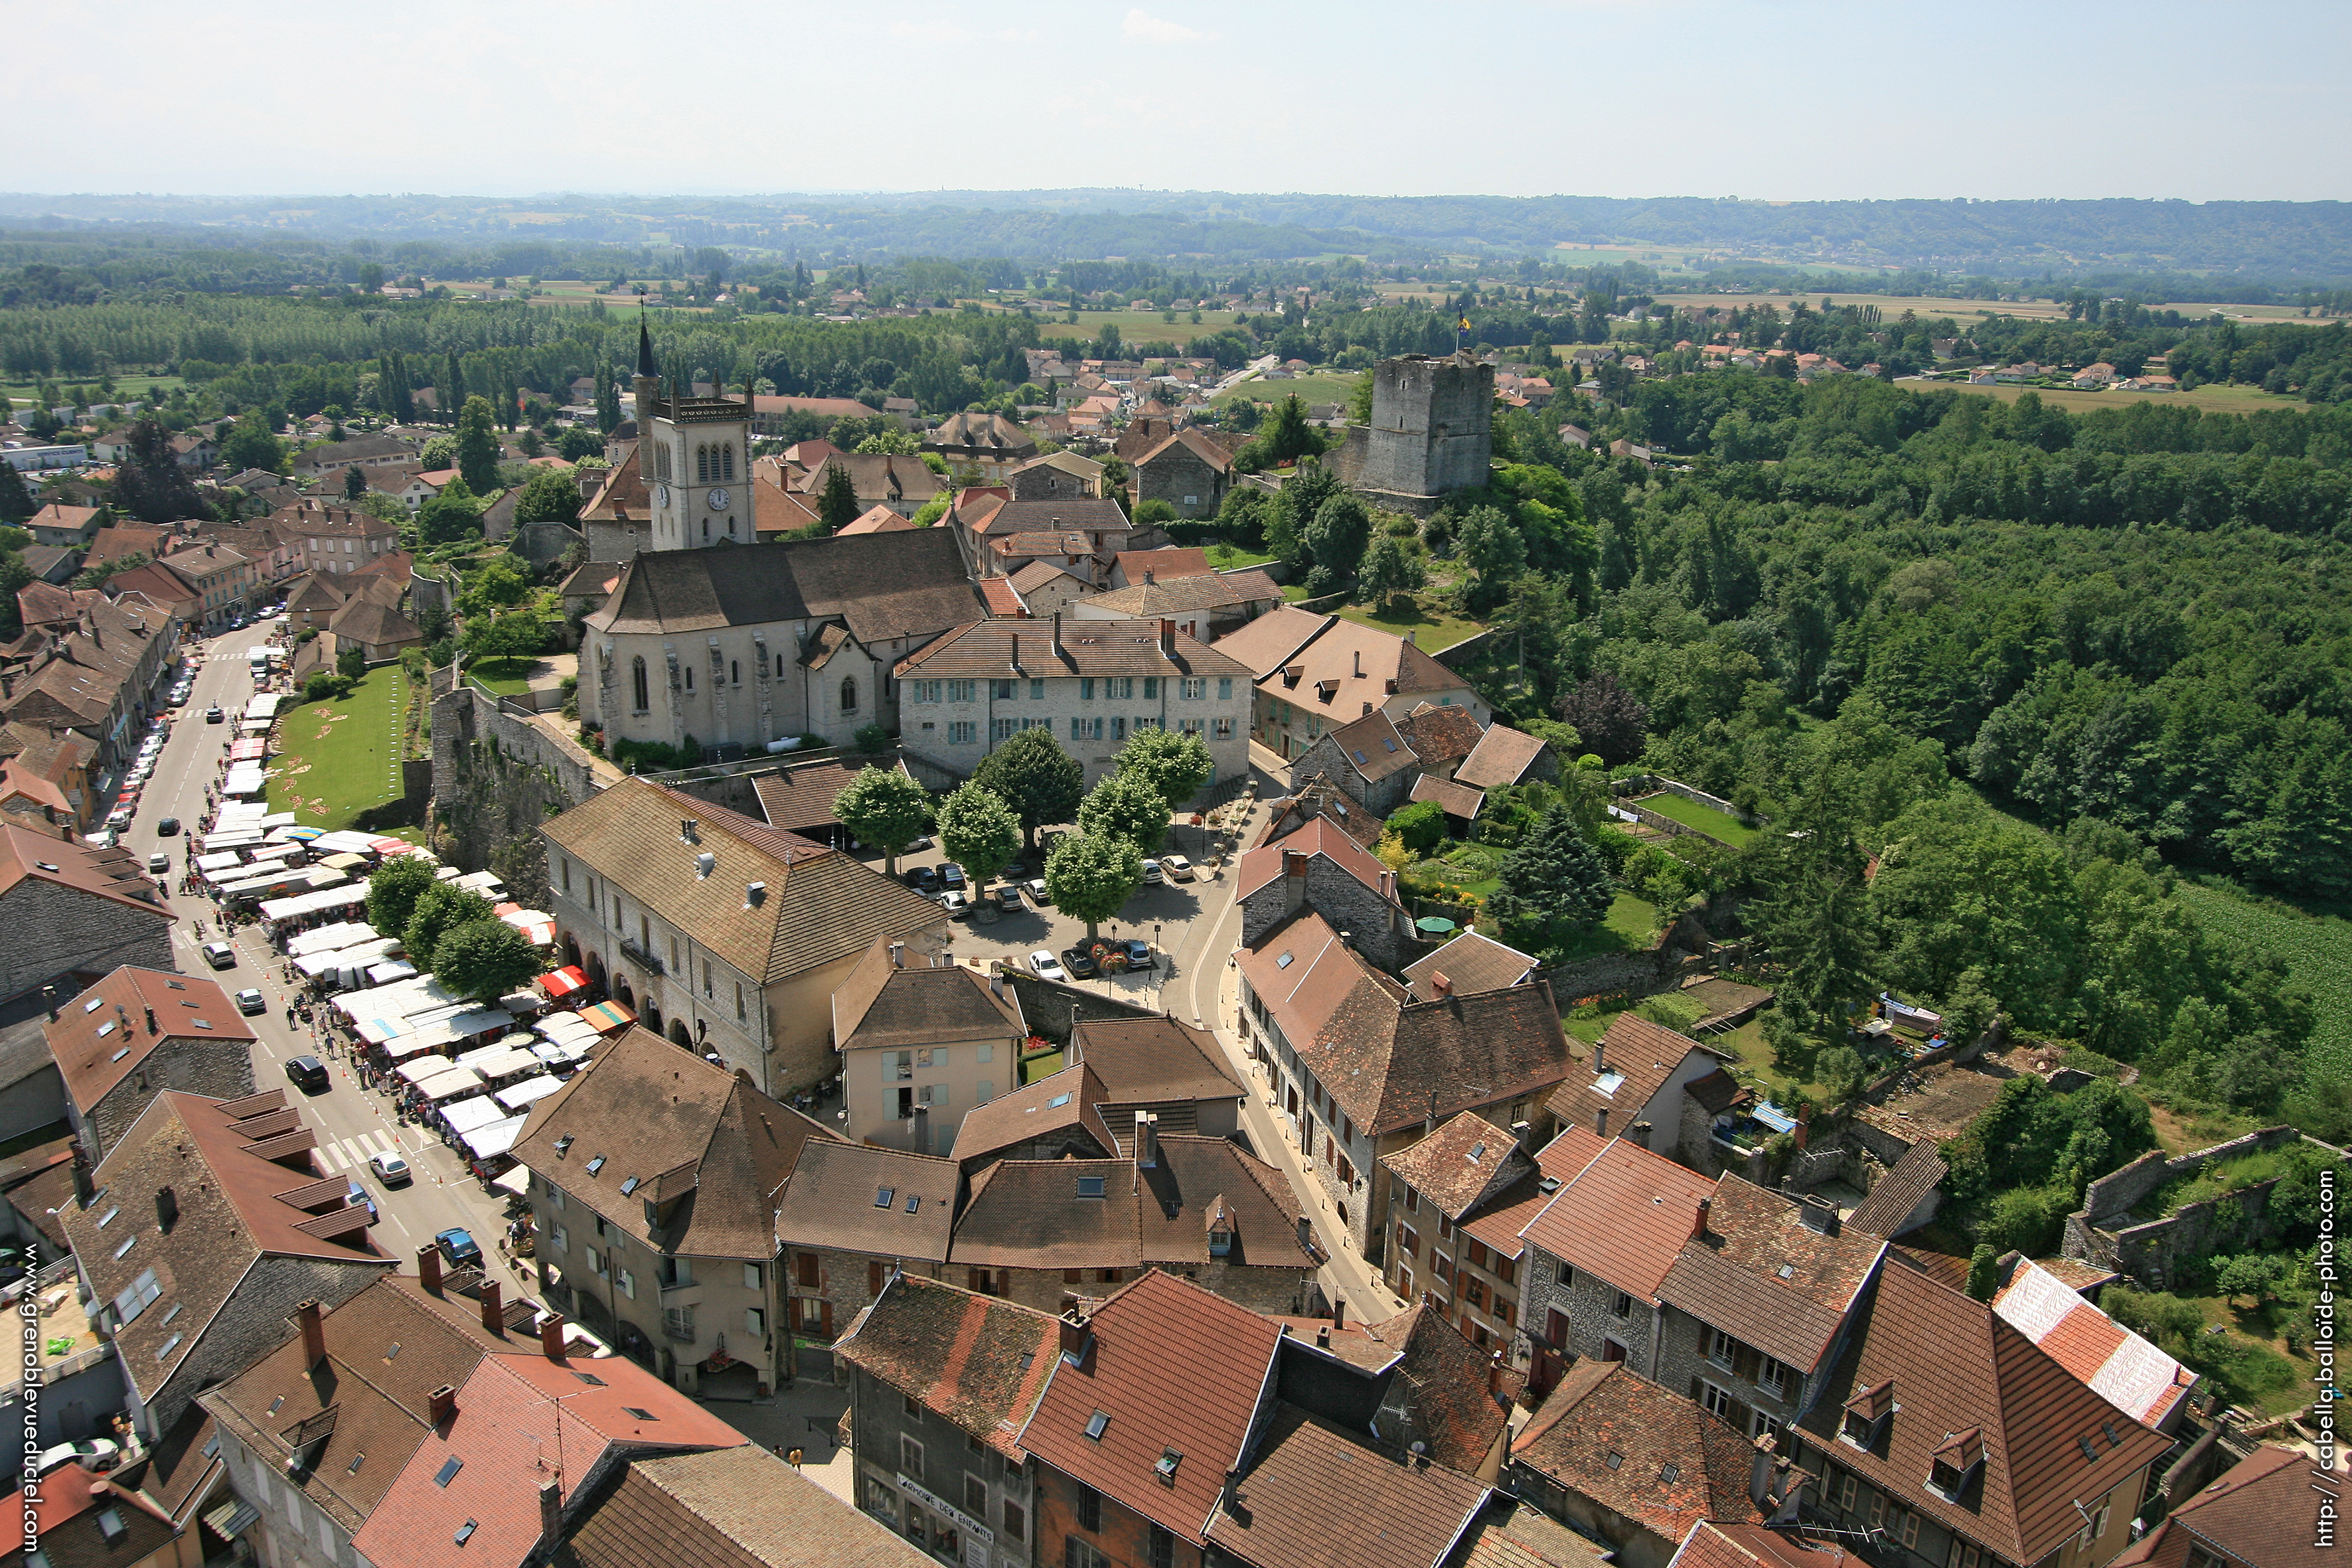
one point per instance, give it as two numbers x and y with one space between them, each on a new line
719 500
661 497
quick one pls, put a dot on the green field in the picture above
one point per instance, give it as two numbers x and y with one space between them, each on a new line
341 759
1630 925
2317 950
126 387
1321 386
2212 399
1705 818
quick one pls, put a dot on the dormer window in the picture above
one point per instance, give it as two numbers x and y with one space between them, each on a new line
1956 1462
1865 1414
1221 1243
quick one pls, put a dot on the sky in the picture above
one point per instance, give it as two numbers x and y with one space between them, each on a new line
1781 100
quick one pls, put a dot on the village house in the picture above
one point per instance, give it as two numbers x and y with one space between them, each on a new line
1118 1071
1204 606
655 1173
335 539
852 1216
1056 476
70 907
989 443
1466 964
1360 1072
1188 471
726 934
921 1030
1315 673
1634 1085
1320 867
1092 682
72 527
2250 1518
137 1033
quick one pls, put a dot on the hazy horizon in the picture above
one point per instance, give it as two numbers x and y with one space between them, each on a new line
1783 100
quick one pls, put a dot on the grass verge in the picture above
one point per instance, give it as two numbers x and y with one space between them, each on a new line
341 760
1705 818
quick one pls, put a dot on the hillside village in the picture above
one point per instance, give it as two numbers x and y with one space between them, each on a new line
1043 983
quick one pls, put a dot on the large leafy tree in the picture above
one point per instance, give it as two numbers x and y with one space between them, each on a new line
394 888
1553 883
440 909
979 832
1390 567
1090 876
1335 540
252 444
149 482
1042 783
884 807
517 633
478 446
454 514
485 958
1492 546
1288 434
1813 907
548 496
1125 805
1174 763
1612 720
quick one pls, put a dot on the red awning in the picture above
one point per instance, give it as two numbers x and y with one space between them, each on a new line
564 981
392 847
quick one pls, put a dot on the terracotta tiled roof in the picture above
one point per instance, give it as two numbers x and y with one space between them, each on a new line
1503 757
885 585
1726 1545
1639 1055
1119 1214
1316 1494
1373 747
1324 837
701 1148
1001 597
820 904
1336 665
1186 596
1762 1275
1144 1062
2131 1373
1899 1193
876 520
367 620
907 1001
1467 1158
1064 1101
1267 643
725 1508
1499 1219
1319 797
1439 1395
800 800
1454 799
1006 648
2259 1513
835 1201
1641 1451
1624 1218
63 1511
1520 1535
1227 1354
1718 1091
1470 964
1166 564
1028 579
1390 1062
1194 442
102 1035
2049 1440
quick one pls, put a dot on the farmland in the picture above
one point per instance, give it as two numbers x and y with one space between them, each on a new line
2317 950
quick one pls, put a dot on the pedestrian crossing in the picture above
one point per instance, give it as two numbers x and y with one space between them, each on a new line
351 1154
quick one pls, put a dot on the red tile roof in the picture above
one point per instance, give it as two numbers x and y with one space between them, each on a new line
102 1035
2135 1376
1759 1272
1639 1055
1503 757
1316 1494
977 1360
2259 1513
1711 1544
1137 1338
1624 1218
1641 1451
1321 837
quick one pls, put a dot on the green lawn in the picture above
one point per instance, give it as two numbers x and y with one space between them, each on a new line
1044 1064
1705 818
506 677
341 759
1630 923
1317 386
1227 557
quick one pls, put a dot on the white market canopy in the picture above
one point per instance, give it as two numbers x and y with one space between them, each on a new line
488 1143
516 1096
316 903
465 1115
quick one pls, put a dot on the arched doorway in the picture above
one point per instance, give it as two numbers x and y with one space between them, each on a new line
628 997
651 1016
678 1035
570 948
595 964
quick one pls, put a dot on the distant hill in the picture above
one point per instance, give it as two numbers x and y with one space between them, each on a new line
2306 240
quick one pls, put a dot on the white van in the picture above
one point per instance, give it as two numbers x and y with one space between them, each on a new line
258 661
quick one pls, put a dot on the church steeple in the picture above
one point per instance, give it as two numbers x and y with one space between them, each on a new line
644 347
648 383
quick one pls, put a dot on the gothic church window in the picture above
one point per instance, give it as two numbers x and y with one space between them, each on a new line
637 681
849 694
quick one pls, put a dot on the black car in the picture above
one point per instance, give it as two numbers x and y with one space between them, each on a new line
1079 963
924 879
1014 872
307 1074
167 827
951 875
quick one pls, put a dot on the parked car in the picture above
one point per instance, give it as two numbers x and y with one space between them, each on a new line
957 905
1007 897
158 864
220 955
90 1454
213 715
251 1003
1036 888
308 1074
924 879
1080 962
1177 868
1139 953
1152 874
952 874
459 1246
356 1196
1045 966
104 838
390 1169
179 698
1013 871
167 828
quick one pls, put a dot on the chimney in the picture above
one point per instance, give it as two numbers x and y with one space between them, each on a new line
1601 1122
1146 1139
1640 1133
550 1336
1439 983
1804 1124
493 1309
1409 634
1818 1214
1759 1470
1359 663
151 1022
1495 1375
1599 1063
429 1267
1150 576
1699 1220
1339 1313
1367 712
550 1514
1294 862
1167 637
1323 1338
1058 634
314 1332
919 1136
441 1406
84 1192
1077 1330
1305 1233
897 955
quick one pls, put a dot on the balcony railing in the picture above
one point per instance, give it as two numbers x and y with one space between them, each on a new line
641 958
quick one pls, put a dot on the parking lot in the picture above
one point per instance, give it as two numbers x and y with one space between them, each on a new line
1161 915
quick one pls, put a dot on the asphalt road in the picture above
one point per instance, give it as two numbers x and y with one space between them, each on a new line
351 1122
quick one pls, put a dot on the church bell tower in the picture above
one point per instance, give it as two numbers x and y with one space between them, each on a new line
695 456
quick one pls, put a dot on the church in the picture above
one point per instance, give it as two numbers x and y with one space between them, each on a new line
693 456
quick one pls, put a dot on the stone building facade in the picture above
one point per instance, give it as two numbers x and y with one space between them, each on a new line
1189 471
56 925
1295 874
1431 429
